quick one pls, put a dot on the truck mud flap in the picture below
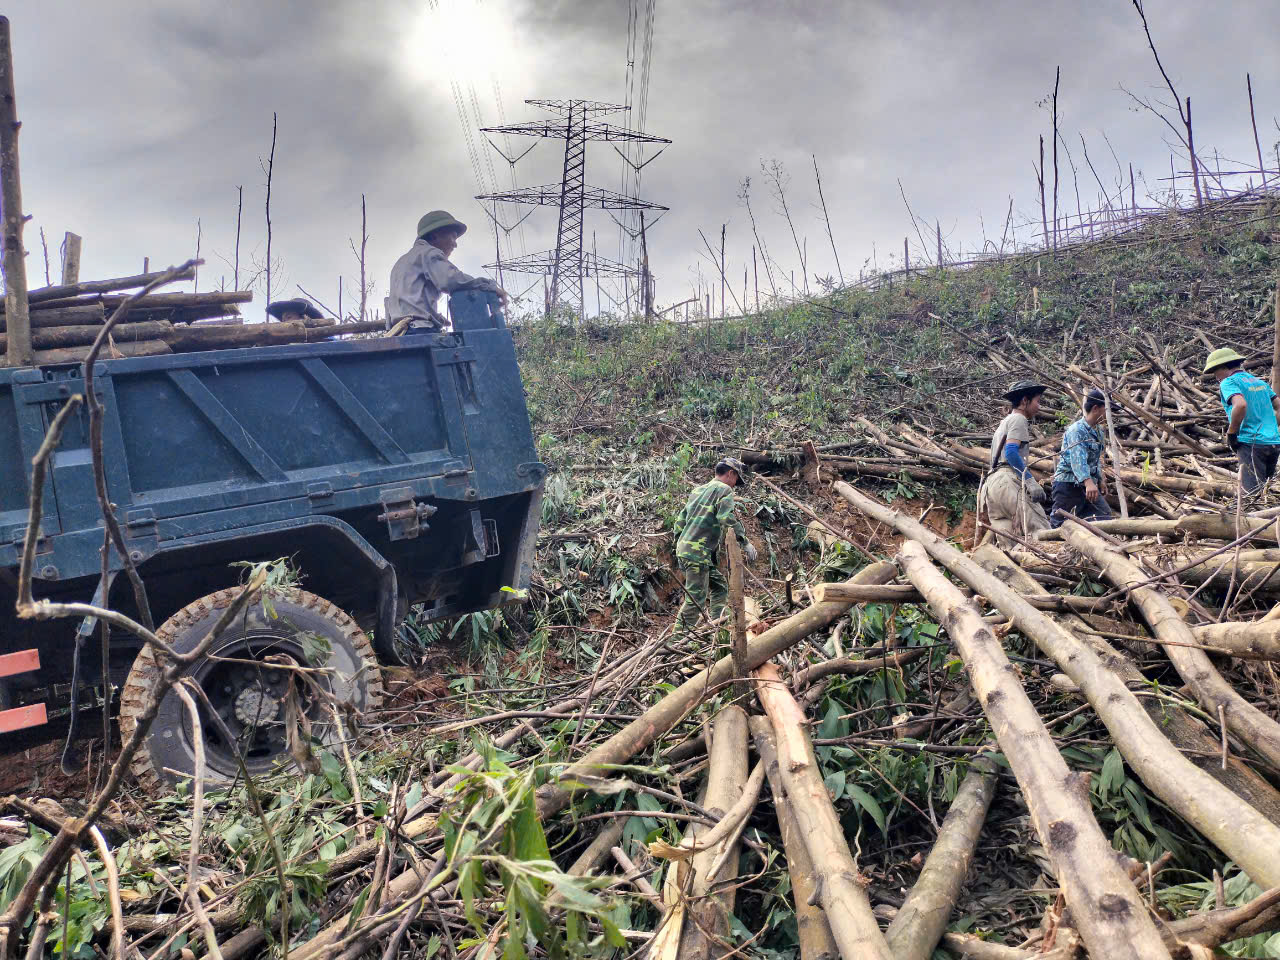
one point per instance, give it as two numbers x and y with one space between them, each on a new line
31 715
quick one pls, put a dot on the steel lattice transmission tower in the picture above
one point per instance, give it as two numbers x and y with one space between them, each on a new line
567 262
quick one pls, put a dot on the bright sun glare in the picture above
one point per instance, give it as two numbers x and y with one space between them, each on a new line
472 37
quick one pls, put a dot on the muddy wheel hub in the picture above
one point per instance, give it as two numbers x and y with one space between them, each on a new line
255 706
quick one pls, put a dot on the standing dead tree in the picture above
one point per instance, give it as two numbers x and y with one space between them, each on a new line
235 276
1185 135
271 162
744 197
1056 78
365 288
779 180
827 219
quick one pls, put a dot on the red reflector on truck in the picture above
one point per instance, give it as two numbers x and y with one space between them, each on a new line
19 718
24 661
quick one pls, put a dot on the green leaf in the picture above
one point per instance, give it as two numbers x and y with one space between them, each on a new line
1112 774
835 784
868 803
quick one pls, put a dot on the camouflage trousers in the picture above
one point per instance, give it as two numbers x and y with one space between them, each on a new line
705 589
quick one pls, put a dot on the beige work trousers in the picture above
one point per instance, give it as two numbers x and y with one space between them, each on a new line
1010 509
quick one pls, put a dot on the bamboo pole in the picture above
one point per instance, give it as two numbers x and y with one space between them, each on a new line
1106 909
1255 728
814 933
921 920
18 353
840 885
677 704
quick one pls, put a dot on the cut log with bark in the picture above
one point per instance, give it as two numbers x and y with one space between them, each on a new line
102 286
152 301
922 919
1208 526
189 338
51 338
706 921
1106 909
841 887
1257 730
64 317
813 931
135 348
677 704
1258 640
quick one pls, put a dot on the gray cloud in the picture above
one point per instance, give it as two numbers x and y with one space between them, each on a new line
140 118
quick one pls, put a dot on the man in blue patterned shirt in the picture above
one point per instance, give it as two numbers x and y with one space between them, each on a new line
1078 484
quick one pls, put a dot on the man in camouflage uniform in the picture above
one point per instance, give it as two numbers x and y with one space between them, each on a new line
699 530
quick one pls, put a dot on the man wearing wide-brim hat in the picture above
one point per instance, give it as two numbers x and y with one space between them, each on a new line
1251 407
421 275
297 310
1010 493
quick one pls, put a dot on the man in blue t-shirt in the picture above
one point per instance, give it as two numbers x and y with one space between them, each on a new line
1251 407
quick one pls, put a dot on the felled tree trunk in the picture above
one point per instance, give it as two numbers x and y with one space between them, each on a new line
82 335
1250 724
1208 800
921 920
843 896
1259 640
676 705
1164 770
707 919
133 348
816 942
1106 909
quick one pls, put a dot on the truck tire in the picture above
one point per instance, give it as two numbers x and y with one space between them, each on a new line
249 697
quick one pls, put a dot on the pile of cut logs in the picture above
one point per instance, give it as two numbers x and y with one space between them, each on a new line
67 318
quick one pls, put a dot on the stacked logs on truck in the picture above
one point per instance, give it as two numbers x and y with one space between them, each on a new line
66 319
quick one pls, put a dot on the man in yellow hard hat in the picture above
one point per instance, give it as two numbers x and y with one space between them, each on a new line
1251 407
421 275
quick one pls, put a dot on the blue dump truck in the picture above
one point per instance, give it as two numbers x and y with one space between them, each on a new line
391 472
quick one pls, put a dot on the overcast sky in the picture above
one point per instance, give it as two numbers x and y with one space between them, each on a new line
140 119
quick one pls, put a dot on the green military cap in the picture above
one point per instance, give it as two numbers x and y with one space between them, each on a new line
1219 357
733 463
437 220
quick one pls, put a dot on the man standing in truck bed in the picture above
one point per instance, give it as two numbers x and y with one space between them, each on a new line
1010 493
421 275
699 530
